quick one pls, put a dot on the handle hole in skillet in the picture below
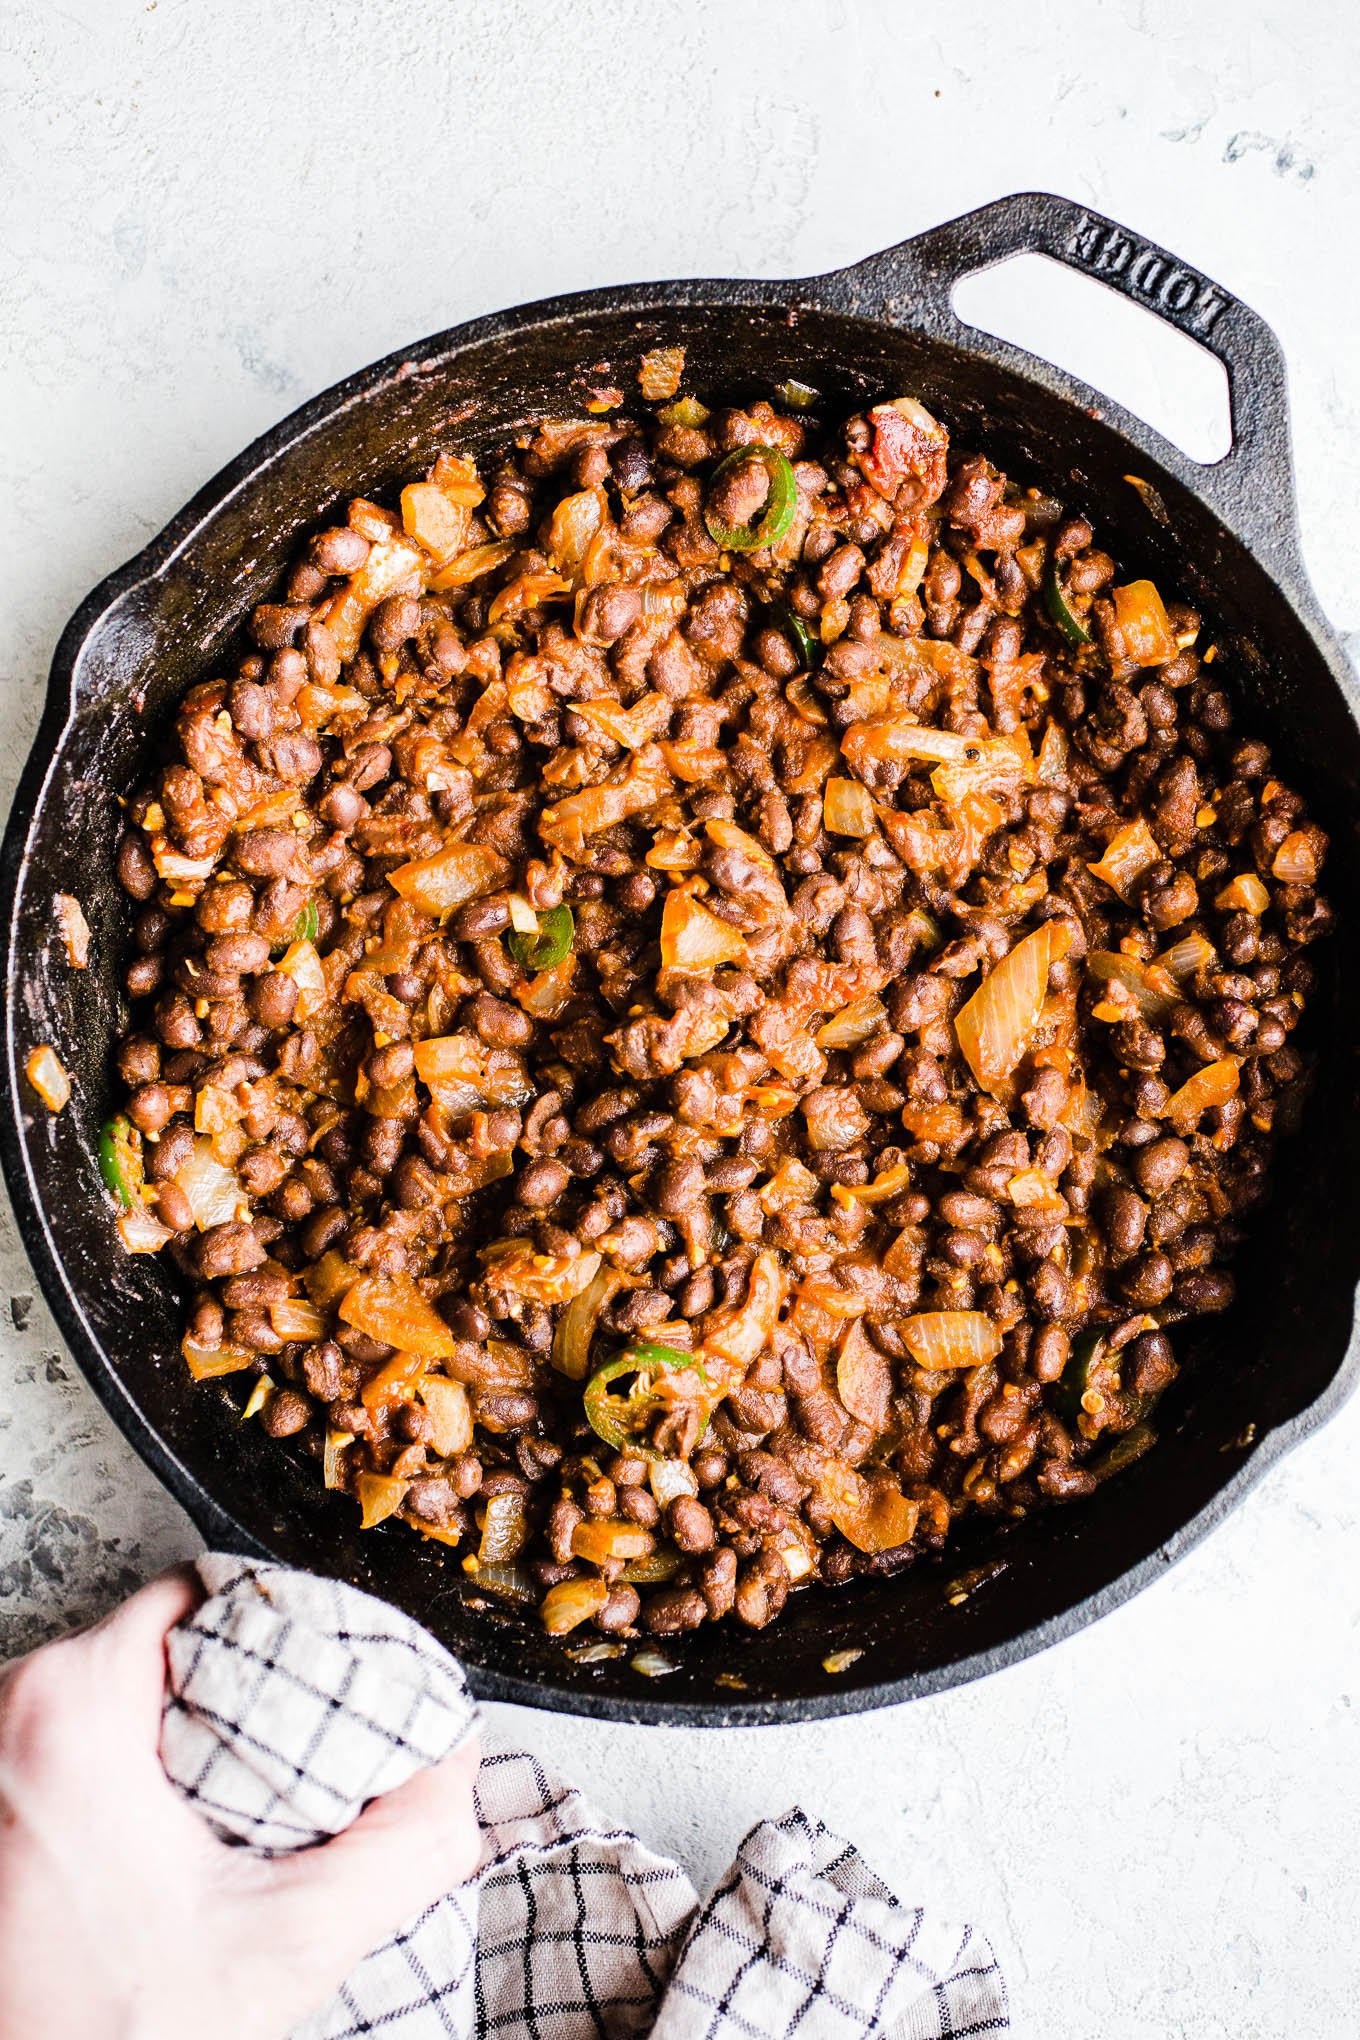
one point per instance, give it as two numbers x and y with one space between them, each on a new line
1159 374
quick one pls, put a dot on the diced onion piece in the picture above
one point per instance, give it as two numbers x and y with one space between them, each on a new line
576 1326
337 1444
1244 894
942 1124
391 561
523 919
296 1318
797 1561
853 1024
393 1383
327 1279
301 962
215 1110
574 523
542 1278
1188 957
1127 855
847 809
693 939
660 373
863 1377
1213 1085
525 591
637 786
458 478
571 1602
1032 1190
258 1398
379 1495
631 727
505 1529
449 879
141 1233
872 1515
463 1074
177 869
473 564
1051 768
940 1339
742 1332
651 1664
600 1538
206 1362
390 1309
74 929
728 836
214 1192
792 1183
1296 860
1149 986
436 523
995 1026
671 1478
450 1414
48 1078
887 1184
1142 632
549 992
511 1582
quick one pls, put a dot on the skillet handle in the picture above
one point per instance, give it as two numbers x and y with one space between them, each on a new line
1253 485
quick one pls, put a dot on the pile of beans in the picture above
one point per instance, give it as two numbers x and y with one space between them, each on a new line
744 1145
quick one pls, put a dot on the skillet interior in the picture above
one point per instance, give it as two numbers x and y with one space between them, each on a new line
1275 1360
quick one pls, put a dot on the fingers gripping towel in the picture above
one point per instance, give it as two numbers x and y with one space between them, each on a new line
294 1700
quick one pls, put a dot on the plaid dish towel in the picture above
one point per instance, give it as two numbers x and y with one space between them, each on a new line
294 1700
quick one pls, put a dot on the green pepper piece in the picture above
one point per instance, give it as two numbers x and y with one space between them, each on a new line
621 1419
1129 1446
119 1162
1059 609
307 926
1075 1378
780 504
795 395
556 933
805 641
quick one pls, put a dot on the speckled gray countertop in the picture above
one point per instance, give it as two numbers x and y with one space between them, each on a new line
208 214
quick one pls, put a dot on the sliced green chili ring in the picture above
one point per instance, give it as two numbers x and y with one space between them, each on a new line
307 926
779 507
116 1154
806 642
621 1419
1060 610
546 949
1075 1378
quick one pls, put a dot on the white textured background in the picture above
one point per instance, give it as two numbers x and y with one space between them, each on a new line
210 211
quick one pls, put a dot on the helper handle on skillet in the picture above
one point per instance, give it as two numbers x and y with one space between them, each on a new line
1252 487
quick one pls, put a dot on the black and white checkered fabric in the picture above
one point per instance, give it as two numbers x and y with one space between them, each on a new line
294 1700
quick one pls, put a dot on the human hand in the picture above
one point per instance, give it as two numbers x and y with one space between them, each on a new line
123 1917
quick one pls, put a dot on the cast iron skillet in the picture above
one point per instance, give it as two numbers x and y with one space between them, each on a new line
1260 1378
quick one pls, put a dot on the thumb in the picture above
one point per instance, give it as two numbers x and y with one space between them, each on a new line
405 1850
